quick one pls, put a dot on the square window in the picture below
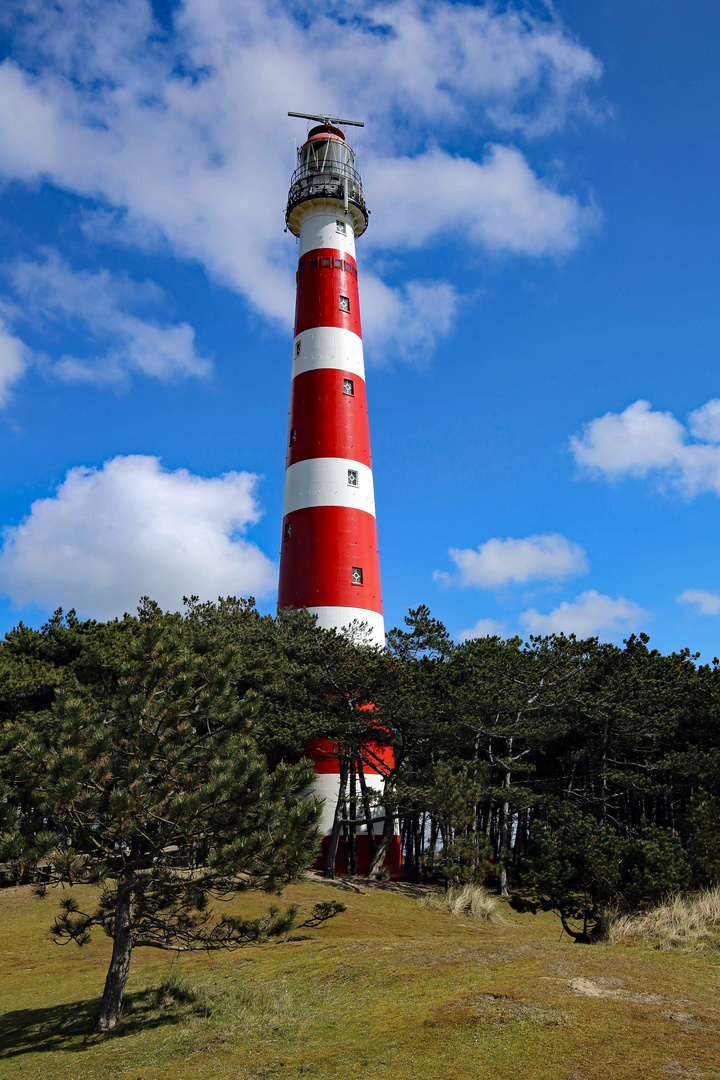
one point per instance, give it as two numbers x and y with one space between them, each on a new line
344 303
293 435
288 530
352 478
313 262
357 575
348 387
337 264
302 268
298 347
325 262
340 226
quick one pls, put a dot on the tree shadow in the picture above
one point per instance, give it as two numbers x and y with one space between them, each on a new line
70 1027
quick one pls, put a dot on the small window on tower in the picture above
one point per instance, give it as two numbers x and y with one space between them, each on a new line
341 226
293 435
313 262
352 478
325 262
298 347
348 387
288 530
344 303
302 268
337 264
357 575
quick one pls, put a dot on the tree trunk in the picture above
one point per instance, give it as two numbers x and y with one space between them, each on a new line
352 853
603 777
366 807
504 830
417 842
329 868
433 839
408 848
378 860
111 1003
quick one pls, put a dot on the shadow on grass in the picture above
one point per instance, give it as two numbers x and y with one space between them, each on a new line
70 1027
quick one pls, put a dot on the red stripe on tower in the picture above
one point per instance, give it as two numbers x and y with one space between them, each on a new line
329 560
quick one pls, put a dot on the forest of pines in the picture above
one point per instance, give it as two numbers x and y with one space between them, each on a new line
573 775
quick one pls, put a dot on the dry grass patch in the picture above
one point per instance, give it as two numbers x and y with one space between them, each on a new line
468 902
684 922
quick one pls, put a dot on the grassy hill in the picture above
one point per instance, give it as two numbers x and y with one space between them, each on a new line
389 989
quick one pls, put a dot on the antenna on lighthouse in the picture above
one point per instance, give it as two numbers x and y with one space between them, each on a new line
328 119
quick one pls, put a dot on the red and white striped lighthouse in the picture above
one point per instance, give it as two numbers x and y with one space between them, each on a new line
329 556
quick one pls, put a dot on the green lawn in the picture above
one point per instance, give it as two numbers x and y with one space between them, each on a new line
387 990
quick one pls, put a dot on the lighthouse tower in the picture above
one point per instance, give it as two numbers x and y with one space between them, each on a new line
329 556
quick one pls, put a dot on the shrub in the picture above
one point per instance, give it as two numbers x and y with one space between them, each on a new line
584 871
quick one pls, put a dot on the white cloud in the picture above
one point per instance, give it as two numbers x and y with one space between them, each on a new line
14 360
589 615
100 305
704 423
404 324
707 603
483 628
547 556
132 528
183 138
499 203
641 440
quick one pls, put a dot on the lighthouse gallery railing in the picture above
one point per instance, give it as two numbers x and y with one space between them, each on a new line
310 182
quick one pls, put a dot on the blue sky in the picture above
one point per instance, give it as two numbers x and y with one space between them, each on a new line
538 289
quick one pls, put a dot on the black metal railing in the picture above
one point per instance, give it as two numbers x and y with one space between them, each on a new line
312 182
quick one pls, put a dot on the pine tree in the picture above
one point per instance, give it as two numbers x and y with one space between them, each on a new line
157 794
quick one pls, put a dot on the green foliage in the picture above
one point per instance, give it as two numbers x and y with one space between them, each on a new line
572 867
654 866
151 786
160 774
702 828
584 871
487 737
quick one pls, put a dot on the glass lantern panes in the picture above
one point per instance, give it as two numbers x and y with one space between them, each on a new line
357 575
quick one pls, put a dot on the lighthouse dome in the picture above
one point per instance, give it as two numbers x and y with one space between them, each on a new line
326 174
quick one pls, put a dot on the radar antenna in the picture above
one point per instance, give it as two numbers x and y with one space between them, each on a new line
328 119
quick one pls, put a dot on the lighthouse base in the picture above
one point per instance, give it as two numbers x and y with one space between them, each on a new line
393 859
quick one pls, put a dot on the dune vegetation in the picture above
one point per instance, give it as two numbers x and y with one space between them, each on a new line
690 922
393 987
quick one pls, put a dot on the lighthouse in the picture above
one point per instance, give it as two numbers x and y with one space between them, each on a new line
329 560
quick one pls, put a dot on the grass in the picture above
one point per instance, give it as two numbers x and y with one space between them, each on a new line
684 922
389 989
469 901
